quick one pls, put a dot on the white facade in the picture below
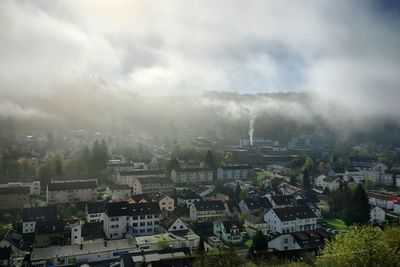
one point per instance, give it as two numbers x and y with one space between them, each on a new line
119 193
206 215
276 225
387 179
233 173
283 242
28 227
71 192
377 215
115 227
128 177
94 217
177 225
396 207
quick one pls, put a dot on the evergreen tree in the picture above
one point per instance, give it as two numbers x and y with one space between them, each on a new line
209 161
200 248
306 181
260 243
361 205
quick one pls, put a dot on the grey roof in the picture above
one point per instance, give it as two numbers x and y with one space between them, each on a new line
56 226
138 198
14 190
145 208
119 187
114 209
209 205
39 213
254 219
283 199
311 239
257 203
188 194
141 172
155 180
193 170
236 167
293 213
97 207
75 185
168 221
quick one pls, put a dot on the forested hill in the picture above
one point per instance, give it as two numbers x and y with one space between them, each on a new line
98 106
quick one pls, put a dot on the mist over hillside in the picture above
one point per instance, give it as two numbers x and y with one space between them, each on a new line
96 105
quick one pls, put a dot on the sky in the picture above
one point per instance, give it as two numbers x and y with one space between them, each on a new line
343 51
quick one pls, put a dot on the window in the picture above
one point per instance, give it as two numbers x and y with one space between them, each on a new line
285 240
142 224
134 224
149 223
149 230
156 222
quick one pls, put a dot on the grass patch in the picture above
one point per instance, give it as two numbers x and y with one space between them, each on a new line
336 223
261 175
248 243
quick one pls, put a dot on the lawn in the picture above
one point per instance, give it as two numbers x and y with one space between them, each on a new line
336 223
261 175
248 243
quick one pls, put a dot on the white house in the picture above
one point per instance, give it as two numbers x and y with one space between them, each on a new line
203 211
255 205
173 224
377 215
136 219
353 174
387 179
252 224
94 212
127 177
381 200
227 231
330 182
291 219
311 241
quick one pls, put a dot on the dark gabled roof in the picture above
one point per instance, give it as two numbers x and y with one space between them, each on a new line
97 207
311 239
168 221
56 226
236 167
141 172
363 159
209 205
14 190
75 185
257 203
138 198
293 213
39 213
188 194
229 224
338 170
283 199
114 209
145 208
232 206
119 187
254 219
155 180
194 170
5 253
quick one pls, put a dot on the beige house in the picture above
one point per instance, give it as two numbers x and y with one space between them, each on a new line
14 197
166 203
192 175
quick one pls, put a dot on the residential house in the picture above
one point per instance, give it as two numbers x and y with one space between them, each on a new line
396 206
227 231
34 186
217 196
94 212
382 200
310 204
152 186
291 219
142 198
5 256
136 219
387 179
255 206
71 191
166 203
363 163
49 233
377 215
192 175
187 197
281 201
74 228
253 224
235 172
309 241
354 175
33 216
173 224
330 182
15 197
203 211
127 177
119 192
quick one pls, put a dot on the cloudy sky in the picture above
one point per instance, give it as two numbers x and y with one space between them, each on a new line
342 50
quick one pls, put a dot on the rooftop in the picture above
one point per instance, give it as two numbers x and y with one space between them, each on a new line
72 185
293 213
14 190
209 205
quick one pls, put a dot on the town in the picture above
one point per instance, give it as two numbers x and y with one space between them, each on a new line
68 205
